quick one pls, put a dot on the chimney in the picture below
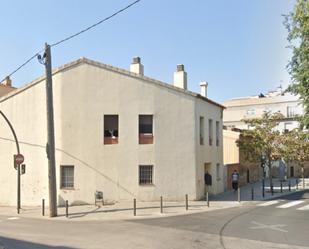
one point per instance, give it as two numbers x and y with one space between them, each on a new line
180 77
7 82
204 86
136 66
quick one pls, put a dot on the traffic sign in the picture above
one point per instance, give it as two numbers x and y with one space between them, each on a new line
19 159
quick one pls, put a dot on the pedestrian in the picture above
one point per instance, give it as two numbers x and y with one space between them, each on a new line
235 179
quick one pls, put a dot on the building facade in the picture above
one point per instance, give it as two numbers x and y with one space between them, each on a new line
254 106
116 131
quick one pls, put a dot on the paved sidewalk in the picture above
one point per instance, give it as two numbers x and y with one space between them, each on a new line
124 210
246 191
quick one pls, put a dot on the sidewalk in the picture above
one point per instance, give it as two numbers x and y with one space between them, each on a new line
124 210
257 188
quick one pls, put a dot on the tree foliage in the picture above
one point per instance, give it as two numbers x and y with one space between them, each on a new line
297 24
262 138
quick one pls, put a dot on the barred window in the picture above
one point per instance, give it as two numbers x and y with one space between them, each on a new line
145 174
67 176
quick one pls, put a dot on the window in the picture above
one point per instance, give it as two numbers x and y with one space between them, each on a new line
111 129
217 133
250 112
67 176
210 131
145 129
145 174
201 130
291 111
218 171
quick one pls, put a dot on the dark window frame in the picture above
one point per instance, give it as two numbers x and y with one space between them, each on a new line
65 182
145 178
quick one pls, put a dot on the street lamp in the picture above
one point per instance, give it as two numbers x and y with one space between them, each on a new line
263 162
18 165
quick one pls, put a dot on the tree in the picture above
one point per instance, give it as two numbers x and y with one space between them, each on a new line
295 147
297 24
262 139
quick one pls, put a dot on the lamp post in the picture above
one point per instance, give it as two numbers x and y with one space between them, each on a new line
18 165
263 162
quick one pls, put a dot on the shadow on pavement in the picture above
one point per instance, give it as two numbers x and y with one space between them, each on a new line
9 243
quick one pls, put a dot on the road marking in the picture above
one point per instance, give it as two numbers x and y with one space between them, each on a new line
304 208
13 218
290 204
265 204
277 227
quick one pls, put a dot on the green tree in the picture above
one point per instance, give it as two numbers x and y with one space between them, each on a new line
297 24
295 147
262 139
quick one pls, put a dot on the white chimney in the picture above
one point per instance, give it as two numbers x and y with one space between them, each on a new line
7 81
180 77
136 66
204 86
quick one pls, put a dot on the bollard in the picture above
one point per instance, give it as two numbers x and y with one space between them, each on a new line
289 186
134 207
161 204
43 207
280 186
66 209
238 194
252 193
272 189
296 183
187 205
207 199
263 188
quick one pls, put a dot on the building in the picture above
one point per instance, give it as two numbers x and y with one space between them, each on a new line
116 131
234 159
254 106
6 87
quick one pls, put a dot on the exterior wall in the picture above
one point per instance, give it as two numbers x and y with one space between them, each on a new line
82 96
230 148
254 107
206 154
27 113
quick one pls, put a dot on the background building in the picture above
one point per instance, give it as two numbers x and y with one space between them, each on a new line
254 106
116 131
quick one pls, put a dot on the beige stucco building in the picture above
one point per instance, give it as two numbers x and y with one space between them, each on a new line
238 109
116 131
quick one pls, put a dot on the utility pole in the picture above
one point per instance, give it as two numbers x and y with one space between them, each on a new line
50 149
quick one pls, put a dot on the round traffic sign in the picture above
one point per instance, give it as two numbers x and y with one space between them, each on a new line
19 159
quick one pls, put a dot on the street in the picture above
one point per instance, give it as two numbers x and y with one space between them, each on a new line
280 223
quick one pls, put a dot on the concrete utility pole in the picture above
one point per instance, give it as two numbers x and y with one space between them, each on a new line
50 135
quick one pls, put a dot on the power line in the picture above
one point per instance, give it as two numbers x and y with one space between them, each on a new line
71 36
94 25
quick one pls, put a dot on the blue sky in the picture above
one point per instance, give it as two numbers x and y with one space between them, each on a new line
238 46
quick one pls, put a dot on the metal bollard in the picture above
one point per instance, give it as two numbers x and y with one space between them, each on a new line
207 198
134 207
67 209
252 193
43 207
272 189
187 204
238 194
289 186
161 204
263 188
280 186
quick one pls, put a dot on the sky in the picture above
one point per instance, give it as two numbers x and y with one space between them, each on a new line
239 47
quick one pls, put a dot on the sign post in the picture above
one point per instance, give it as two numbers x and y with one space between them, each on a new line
18 160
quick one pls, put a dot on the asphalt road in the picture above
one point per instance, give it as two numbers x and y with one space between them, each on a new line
281 223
